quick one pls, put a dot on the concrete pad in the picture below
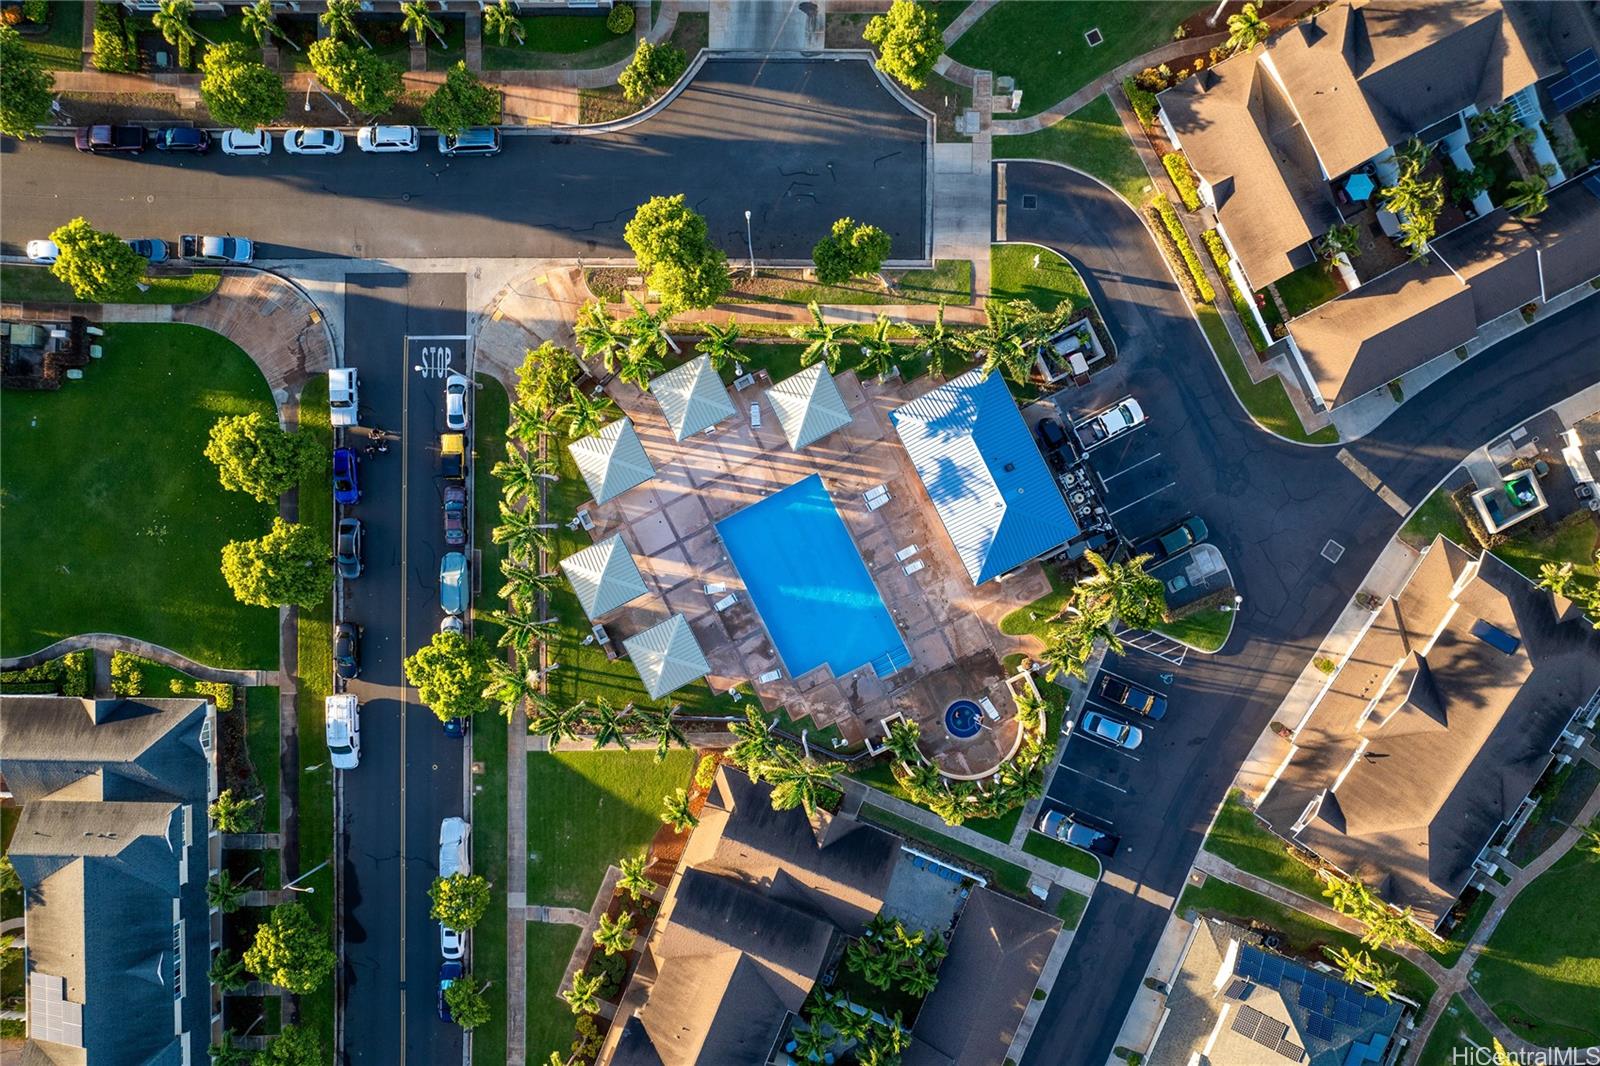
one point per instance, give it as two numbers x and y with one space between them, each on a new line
667 568
687 515
652 532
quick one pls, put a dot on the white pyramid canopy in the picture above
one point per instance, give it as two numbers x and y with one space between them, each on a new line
612 460
808 406
667 656
692 397
604 576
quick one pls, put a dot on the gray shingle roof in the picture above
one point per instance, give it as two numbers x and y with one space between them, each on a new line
808 406
692 397
605 576
667 656
612 460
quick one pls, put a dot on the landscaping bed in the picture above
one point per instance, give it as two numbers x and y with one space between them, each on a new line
262 739
1205 630
1308 288
950 280
1561 796
1266 401
691 33
1572 541
1092 140
35 284
1062 854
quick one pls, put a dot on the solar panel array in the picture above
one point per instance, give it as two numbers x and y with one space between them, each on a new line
1592 183
1581 81
1319 1026
1327 998
1270 1033
1239 988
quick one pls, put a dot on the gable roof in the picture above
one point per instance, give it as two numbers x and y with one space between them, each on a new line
808 406
981 468
667 656
692 397
612 460
604 576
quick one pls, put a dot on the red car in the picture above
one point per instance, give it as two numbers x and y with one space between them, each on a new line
455 514
103 140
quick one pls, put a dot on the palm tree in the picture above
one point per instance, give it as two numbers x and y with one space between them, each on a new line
633 880
523 582
520 632
502 21
1246 29
615 935
756 748
877 357
1349 896
1342 238
584 413
641 365
675 812
657 724
233 814
224 893
719 343
1528 197
340 20
902 741
1589 839
811 1044
509 685
226 972
584 995
802 783
943 346
521 531
527 424
417 20
225 1054
1352 965
598 335
1067 649
1498 129
1136 597
822 339
648 329
518 473
171 17
557 723
919 981
1003 340
605 721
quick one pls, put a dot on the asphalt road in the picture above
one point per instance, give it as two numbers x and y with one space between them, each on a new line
797 142
1271 506
411 774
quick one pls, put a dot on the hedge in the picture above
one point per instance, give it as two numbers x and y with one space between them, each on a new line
1183 177
1219 256
1142 101
70 675
116 48
1177 247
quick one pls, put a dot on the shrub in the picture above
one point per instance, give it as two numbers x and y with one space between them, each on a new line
115 48
609 968
36 11
654 66
1142 101
1178 248
77 674
1219 256
1183 177
127 674
620 20
705 773
1462 498
218 692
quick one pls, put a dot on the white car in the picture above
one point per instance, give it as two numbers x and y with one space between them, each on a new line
1124 416
453 833
455 401
1113 732
246 142
342 721
343 395
43 251
387 139
310 140
452 942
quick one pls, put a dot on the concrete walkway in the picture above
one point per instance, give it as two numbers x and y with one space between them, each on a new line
767 26
113 642
273 320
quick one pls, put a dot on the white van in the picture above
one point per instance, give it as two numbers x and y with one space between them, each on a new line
453 833
342 395
342 721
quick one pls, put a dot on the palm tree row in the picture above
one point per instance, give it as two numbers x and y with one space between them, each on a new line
889 955
1116 591
798 779
831 1020
634 347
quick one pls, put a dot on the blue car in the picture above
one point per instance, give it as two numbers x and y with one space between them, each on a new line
346 486
449 974
183 139
455 727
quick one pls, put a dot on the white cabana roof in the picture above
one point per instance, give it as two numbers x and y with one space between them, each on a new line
604 576
692 397
667 656
612 460
808 406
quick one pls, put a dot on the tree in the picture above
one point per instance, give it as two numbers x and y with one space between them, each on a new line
1498 129
289 565
599 335
909 42
1003 340
450 674
417 20
658 725
804 783
523 584
877 357
468 1007
904 741
233 814
9 881
1136 597
584 995
253 454
460 900
171 18
1528 197
584 413
1246 29
237 88
501 21
1343 239
653 66
223 892
756 747
521 531
812 1043
605 721
633 880
26 88
291 950
226 972
340 20
675 812
1067 649
509 685
1416 199
615 935
720 344
851 250
295 1045
98 266
519 473
543 376
225 1054
822 339
943 347
261 22
8 952
674 250
367 82
461 101
557 722
647 331
519 631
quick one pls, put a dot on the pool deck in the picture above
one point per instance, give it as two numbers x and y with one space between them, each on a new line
950 627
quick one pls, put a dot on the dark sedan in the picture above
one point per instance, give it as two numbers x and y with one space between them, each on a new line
183 139
455 515
1066 828
346 481
1127 695
449 974
347 650
108 140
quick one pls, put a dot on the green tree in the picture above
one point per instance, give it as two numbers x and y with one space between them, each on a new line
877 351
756 747
720 344
468 1006
501 21
543 376
461 101
450 674
261 22
520 472
904 741
9 881
1498 129
1246 29
171 18
234 814
804 783
295 1045
615 935
602 718
1004 340
584 994
521 531
633 880
1529 196
367 82
812 1043
584 413
821 338
98 265
944 348
657 724
557 722
676 812
222 891
253 454
1136 597
417 20
1341 239
851 250
601 337
909 42
460 900
226 972
1067 649
339 19
674 250
291 950
289 565
510 685
225 1054
26 88
653 66
238 89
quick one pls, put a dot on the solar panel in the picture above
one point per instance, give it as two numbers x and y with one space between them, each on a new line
1374 1005
1238 989
1330 999
1354 993
1294 972
1581 81
1348 1013
1290 1050
1313 980
1310 997
1247 1020
1319 1026
1271 972
1249 964
1270 1033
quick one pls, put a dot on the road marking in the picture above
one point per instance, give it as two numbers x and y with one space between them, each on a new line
1163 648
1126 469
1093 778
405 571
1373 482
1145 497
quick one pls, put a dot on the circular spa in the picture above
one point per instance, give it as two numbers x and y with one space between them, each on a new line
962 719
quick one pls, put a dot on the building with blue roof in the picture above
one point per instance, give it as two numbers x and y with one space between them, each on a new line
994 492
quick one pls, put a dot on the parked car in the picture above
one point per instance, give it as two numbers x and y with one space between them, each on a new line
453 583
341 717
452 942
455 727
1118 734
312 140
1121 417
455 401
183 139
110 140
205 249
387 139
246 142
1127 695
1170 542
449 974
347 650
1065 827
453 455
1051 435
455 515
152 248
346 480
347 548
344 389
453 834
452 623
479 140
43 251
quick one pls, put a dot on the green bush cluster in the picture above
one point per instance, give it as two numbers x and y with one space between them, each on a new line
1177 246
218 692
620 20
1142 100
36 11
70 675
1183 177
127 674
654 66
115 47
1219 256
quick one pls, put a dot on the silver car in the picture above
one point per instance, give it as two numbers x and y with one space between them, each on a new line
453 583
1118 734
308 140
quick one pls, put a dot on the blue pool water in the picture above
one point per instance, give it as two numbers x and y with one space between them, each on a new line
963 719
808 581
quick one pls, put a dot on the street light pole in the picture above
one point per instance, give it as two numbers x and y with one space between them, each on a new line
309 82
302 877
750 243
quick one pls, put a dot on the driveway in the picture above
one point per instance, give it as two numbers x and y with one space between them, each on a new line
1272 508
799 143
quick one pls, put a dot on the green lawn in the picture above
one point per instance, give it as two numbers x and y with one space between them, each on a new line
61 46
1242 840
549 1026
586 810
1461 935
566 41
1043 47
455 31
1436 515
1092 140
1207 630
1573 541
1540 971
35 284
1062 854
261 735
1070 909
109 497
1035 617
950 279
1012 276
1002 874
1455 1035
1310 286
1266 401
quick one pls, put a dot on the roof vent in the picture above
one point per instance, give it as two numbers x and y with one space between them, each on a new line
1010 467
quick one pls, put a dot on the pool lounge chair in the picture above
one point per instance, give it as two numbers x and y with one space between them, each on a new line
875 502
914 568
716 588
727 601
989 708
769 677
905 553
755 416
874 492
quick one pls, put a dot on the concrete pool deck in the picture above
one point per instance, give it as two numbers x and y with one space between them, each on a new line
950 627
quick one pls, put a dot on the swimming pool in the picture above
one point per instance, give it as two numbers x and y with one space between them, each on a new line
808 581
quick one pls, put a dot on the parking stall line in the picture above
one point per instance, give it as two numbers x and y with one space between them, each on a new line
1128 469
1145 497
1093 778
1163 648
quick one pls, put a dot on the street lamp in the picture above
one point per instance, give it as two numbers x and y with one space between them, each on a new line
302 877
750 242
309 82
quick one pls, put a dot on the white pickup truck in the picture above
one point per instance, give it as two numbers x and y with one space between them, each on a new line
344 397
198 248
1113 421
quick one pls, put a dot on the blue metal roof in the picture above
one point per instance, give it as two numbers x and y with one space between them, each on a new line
997 499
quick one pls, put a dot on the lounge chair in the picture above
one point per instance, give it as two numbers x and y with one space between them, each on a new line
716 588
905 553
727 601
755 416
914 568
769 677
989 708
875 502
875 491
